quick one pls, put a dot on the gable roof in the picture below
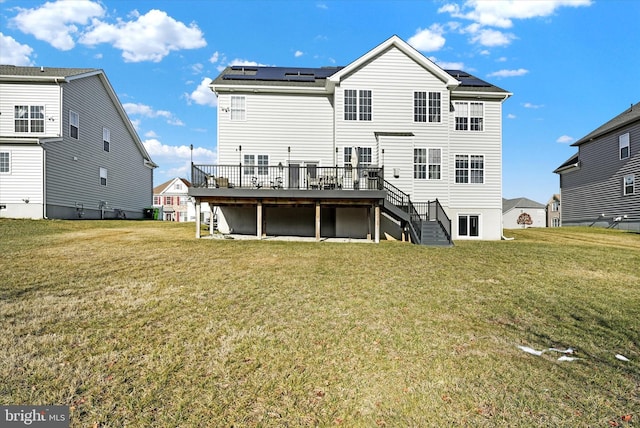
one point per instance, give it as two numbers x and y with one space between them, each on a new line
324 79
628 116
161 188
57 75
509 204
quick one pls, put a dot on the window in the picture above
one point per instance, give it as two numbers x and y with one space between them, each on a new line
106 139
178 186
168 200
629 184
470 169
469 116
357 104
103 176
74 124
623 141
5 163
364 156
555 206
238 108
263 164
419 106
434 107
420 163
28 118
555 222
469 225
435 164
157 200
249 162
183 200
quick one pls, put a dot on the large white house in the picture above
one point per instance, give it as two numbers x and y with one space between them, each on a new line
67 147
387 144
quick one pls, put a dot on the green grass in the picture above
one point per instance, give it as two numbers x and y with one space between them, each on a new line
137 323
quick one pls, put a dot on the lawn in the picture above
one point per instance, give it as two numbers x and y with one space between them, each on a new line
138 324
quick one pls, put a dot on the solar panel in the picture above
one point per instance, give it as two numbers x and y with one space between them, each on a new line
281 74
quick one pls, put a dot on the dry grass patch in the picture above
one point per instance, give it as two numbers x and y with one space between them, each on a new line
139 324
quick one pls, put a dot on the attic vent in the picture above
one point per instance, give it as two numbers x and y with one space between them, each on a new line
41 69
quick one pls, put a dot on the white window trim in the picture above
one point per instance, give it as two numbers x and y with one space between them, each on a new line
358 105
468 103
624 185
233 110
624 141
484 168
103 174
106 138
8 152
71 113
441 168
425 163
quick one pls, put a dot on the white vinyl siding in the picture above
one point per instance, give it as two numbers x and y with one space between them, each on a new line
45 99
24 176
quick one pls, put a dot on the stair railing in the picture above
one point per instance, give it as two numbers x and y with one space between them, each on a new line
402 200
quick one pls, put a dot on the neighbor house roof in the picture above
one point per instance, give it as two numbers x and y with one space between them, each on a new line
57 75
509 204
161 188
628 116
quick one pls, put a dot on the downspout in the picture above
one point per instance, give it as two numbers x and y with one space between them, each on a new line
44 183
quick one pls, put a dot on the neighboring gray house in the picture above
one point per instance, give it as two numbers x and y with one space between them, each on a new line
599 184
389 144
520 213
67 148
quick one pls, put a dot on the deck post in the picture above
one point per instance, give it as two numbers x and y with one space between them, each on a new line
377 222
210 220
198 211
259 220
317 220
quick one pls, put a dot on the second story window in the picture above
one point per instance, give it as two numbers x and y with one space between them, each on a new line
435 164
28 118
263 164
419 163
623 142
157 200
249 162
470 169
106 139
357 104
238 109
74 124
469 116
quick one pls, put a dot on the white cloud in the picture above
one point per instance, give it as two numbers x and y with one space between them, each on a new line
203 95
298 54
156 149
530 105
150 37
501 13
14 53
508 73
428 39
144 110
214 57
447 65
57 22
565 139
239 61
489 37
511 116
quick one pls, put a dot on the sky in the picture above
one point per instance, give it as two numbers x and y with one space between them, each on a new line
571 65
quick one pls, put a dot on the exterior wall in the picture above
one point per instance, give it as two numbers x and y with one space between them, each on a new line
21 189
553 212
47 95
490 222
275 122
538 217
73 165
596 188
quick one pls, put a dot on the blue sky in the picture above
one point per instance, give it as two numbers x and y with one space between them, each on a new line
571 64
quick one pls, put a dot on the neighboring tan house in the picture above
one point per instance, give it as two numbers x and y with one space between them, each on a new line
599 184
67 148
520 213
172 198
390 143
553 211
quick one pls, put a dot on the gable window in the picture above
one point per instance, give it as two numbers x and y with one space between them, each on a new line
103 176
74 124
238 108
106 139
263 164
629 184
469 116
357 104
419 163
469 225
470 169
419 106
623 142
28 118
435 164
434 107
5 163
